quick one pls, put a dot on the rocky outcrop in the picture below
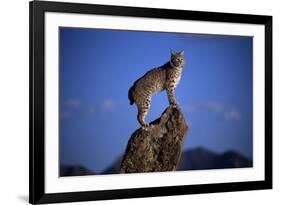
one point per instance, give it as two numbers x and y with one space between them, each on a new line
158 147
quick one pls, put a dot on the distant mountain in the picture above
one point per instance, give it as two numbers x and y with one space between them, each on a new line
193 159
201 158
114 167
74 170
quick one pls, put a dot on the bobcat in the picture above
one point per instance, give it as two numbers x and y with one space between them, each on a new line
156 80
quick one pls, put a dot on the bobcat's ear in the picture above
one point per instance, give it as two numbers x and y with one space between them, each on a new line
172 52
182 52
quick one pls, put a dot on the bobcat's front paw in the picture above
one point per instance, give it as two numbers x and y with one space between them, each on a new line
174 105
145 126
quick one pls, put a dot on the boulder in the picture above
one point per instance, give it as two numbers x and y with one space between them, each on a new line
157 147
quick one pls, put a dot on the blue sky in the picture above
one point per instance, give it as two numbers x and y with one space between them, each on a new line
97 67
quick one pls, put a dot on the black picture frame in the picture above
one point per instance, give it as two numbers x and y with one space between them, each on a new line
37 10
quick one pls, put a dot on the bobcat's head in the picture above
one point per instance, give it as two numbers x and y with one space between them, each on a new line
177 59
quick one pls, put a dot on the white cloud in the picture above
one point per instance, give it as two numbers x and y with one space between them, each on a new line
215 106
93 109
107 105
189 108
72 103
232 114
65 114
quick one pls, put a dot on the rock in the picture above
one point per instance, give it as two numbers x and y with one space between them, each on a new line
158 147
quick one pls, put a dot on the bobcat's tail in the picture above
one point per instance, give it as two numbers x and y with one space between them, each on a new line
130 95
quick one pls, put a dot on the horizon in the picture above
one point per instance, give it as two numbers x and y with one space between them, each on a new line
192 149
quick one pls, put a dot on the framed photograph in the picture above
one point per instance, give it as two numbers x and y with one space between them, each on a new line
141 102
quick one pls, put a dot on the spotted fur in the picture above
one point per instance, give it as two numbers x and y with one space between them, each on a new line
165 77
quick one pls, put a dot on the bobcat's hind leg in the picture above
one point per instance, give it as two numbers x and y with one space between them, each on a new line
143 109
142 112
